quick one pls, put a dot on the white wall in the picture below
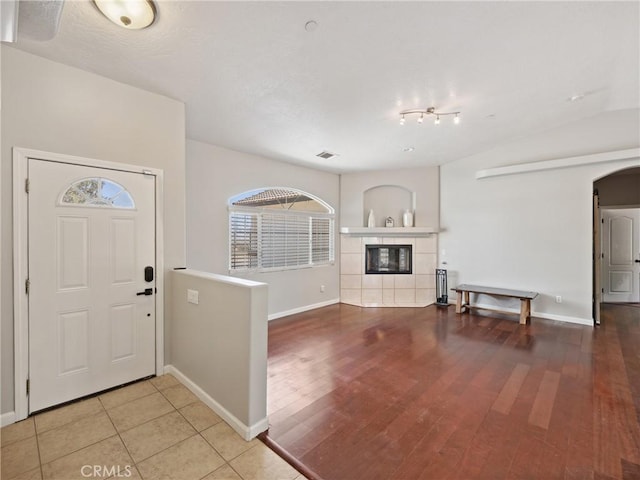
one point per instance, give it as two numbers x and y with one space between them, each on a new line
424 182
532 231
51 107
215 174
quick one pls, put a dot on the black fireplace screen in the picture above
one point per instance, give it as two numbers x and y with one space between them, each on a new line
388 259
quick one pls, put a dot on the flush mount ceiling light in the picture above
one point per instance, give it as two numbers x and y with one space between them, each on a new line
422 112
130 14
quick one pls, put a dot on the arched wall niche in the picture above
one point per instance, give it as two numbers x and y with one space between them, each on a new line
387 201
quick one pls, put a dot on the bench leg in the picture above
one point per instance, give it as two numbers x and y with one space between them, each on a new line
459 304
525 310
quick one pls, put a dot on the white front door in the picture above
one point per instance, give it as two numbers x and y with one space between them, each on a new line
621 255
91 239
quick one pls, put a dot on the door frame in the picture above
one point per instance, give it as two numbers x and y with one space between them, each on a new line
21 158
597 257
601 213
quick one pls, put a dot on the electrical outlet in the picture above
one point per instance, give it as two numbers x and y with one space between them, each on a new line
558 299
192 296
321 288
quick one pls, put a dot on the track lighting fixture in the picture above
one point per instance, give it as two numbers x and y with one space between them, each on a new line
428 111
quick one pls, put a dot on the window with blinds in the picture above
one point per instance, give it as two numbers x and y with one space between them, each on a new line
277 229
243 228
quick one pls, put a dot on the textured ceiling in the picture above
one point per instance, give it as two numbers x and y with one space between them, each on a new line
253 79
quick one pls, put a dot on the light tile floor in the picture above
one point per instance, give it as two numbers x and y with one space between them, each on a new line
155 429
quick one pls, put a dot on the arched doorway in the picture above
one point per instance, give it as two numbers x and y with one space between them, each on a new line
616 239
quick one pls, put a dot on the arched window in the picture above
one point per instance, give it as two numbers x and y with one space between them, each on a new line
279 228
97 192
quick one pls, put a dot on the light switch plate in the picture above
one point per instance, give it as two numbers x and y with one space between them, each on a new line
192 296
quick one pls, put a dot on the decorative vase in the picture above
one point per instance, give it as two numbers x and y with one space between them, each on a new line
407 219
371 222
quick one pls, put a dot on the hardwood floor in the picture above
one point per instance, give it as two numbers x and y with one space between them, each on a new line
424 393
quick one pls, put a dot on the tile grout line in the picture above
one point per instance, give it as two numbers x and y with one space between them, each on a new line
73 451
199 433
120 437
38 447
104 410
118 434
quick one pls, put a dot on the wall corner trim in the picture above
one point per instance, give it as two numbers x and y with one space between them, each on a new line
245 431
567 162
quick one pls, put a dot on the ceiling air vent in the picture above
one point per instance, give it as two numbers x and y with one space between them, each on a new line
326 155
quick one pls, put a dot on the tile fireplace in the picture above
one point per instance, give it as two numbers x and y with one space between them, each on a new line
405 265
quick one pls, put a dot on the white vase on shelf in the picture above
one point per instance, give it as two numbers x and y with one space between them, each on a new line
407 219
371 222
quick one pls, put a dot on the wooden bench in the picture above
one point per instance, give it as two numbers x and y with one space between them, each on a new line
525 299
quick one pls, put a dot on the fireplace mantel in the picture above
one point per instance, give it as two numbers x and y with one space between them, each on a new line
388 231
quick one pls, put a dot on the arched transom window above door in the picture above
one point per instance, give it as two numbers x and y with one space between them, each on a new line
97 192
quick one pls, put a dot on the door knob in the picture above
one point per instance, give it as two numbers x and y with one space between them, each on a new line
147 291
637 261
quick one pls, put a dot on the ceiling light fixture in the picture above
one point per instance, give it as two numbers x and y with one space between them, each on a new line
130 14
428 111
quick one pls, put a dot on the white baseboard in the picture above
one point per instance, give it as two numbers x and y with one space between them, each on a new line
273 316
564 318
7 419
546 316
246 431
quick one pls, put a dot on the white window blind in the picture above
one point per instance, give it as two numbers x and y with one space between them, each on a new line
285 240
243 230
321 240
277 229
279 241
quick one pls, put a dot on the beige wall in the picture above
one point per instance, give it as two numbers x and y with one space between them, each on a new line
533 230
51 107
423 182
215 174
220 345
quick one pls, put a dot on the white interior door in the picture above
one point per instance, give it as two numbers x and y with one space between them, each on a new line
621 255
91 236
